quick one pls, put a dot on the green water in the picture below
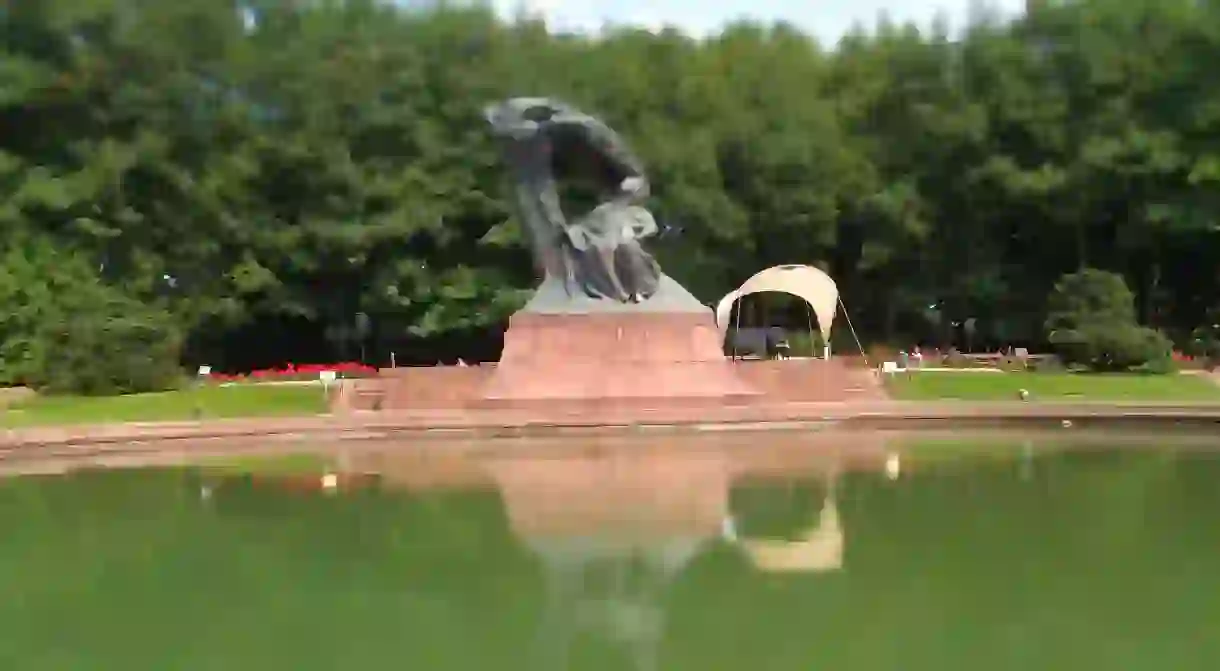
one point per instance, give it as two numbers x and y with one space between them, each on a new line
1079 560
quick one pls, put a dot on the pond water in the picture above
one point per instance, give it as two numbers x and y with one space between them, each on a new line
700 559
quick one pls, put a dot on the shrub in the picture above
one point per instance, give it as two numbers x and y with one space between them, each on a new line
64 330
116 347
1091 324
1115 348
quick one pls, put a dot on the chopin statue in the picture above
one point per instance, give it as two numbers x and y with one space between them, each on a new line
598 254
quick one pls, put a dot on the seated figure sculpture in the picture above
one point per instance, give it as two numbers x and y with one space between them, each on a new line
599 253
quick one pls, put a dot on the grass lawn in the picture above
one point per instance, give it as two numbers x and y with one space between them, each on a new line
209 402
974 386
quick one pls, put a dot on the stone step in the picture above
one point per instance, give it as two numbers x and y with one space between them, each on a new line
765 382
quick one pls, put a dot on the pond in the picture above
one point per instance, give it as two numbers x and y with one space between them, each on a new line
950 555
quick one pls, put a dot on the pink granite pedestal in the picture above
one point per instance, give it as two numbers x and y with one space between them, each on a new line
616 359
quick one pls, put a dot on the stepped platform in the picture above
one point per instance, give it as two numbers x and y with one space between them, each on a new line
771 383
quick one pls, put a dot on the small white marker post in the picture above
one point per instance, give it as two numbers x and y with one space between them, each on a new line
204 372
328 378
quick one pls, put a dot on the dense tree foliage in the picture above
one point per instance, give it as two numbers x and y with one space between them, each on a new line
303 180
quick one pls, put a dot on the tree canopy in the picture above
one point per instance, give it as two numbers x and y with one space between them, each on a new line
290 180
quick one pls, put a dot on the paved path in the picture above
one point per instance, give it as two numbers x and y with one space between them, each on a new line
56 449
443 423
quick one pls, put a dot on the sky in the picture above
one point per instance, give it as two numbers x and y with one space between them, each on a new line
827 19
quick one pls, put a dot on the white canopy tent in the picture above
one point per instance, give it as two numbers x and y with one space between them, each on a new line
808 283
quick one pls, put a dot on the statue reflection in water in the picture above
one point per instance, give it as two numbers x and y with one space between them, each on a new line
610 550
613 532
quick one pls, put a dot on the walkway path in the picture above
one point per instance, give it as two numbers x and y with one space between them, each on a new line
448 423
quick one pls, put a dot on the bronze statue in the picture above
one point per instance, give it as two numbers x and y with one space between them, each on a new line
597 254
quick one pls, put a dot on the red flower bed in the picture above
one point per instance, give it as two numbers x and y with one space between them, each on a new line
298 372
1187 361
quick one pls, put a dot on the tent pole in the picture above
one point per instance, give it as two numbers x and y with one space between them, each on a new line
809 318
853 332
740 302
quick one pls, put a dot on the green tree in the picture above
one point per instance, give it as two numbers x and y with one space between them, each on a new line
266 171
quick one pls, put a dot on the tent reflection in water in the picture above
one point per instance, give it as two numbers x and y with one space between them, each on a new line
815 547
808 283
